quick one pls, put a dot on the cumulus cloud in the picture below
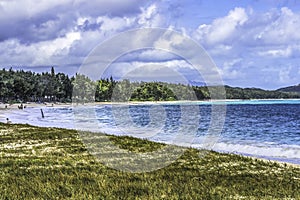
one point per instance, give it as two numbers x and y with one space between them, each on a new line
222 29
40 53
32 21
259 39
151 17
282 29
243 43
62 32
275 31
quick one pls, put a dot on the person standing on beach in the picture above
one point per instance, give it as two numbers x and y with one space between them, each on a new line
21 106
8 121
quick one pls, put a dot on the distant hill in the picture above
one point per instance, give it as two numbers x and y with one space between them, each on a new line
197 83
291 89
257 93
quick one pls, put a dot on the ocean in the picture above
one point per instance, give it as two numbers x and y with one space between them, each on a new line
267 129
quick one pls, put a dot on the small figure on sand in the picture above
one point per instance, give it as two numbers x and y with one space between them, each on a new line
21 106
42 113
8 121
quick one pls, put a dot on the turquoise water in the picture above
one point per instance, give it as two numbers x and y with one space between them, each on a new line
261 128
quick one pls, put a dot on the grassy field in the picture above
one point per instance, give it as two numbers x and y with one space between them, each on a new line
52 163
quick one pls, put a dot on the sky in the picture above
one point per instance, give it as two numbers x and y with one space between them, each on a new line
253 43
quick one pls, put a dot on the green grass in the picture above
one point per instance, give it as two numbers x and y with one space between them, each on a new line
52 163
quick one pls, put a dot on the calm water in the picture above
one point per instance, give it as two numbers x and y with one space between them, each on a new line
267 129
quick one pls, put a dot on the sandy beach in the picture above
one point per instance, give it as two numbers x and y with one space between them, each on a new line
6 106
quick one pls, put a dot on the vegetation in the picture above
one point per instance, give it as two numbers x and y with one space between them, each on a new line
291 89
52 163
256 93
21 86
30 86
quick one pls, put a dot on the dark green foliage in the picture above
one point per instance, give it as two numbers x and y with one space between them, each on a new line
153 92
104 89
52 163
83 89
21 86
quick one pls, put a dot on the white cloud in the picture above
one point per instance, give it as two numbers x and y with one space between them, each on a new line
222 29
57 48
256 40
150 17
232 69
282 30
41 53
287 52
82 32
106 28
220 49
243 32
33 21
12 52
147 13
115 24
242 42
284 74
13 9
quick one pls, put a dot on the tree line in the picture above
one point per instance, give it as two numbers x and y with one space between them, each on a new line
24 86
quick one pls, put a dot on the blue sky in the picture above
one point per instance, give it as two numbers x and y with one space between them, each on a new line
254 43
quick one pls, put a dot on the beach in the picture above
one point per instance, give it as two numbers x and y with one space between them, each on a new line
43 161
243 132
51 163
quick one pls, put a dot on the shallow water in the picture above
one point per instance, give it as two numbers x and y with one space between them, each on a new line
262 128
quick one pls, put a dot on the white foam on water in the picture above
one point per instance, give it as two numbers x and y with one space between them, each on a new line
278 152
63 117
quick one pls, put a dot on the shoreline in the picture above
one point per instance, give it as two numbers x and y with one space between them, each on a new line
14 108
253 158
59 104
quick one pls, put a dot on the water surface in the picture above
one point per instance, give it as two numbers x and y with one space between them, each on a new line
262 128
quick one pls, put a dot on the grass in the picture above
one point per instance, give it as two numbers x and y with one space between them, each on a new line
53 163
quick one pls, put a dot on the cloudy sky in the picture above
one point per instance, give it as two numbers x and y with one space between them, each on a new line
254 43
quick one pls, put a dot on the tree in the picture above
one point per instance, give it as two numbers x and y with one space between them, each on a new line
83 89
52 72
